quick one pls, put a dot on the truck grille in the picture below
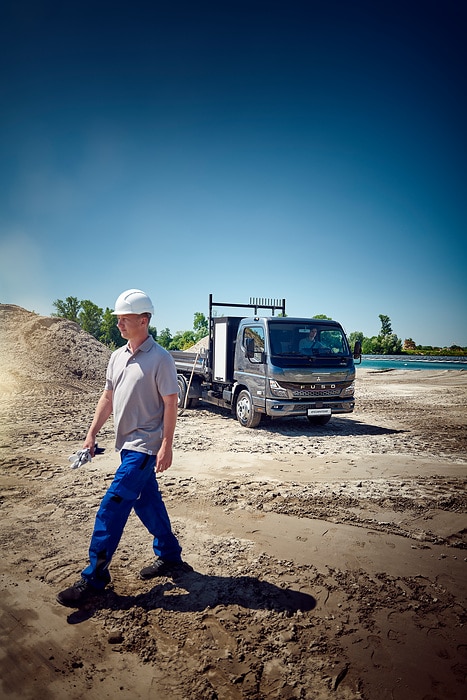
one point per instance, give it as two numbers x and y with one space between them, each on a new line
310 391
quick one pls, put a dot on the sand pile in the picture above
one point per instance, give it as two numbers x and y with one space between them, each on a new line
38 349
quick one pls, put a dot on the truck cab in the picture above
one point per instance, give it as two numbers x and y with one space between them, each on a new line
292 367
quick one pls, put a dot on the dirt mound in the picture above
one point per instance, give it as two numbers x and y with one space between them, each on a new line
49 368
201 346
40 350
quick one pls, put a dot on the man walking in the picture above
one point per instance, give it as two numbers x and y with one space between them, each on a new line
141 392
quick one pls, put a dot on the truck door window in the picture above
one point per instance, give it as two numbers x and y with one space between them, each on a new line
254 335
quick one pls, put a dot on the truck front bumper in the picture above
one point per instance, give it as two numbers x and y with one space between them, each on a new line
294 408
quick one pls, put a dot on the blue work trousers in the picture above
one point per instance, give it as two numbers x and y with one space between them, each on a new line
134 486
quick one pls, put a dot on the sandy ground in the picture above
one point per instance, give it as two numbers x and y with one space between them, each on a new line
329 562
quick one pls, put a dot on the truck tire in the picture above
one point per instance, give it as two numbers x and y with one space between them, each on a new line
245 411
182 389
319 420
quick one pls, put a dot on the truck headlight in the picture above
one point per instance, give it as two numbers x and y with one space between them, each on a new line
349 390
277 390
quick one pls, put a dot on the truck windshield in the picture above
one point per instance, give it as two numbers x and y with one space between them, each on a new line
305 339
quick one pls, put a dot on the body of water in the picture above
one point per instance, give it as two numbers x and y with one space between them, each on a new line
431 362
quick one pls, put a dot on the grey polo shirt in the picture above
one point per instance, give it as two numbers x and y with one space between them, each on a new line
138 382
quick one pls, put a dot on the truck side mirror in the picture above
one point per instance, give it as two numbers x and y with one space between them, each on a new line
251 353
357 351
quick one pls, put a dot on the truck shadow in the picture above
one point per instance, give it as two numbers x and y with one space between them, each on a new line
302 427
195 592
336 426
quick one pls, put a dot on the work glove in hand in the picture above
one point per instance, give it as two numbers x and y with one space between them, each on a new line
80 458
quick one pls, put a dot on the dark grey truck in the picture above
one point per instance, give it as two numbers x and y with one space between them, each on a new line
270 365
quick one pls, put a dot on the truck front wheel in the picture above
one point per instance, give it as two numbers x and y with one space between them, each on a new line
247 415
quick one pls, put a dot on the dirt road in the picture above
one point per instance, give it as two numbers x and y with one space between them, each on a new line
329 562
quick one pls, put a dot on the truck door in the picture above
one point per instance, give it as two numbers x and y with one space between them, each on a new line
251 368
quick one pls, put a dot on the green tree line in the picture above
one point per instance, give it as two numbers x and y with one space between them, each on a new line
102 325
388 343
385 343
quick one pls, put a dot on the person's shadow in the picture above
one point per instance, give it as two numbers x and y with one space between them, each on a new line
194 592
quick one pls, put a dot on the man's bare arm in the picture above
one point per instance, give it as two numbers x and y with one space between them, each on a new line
164 456
101 414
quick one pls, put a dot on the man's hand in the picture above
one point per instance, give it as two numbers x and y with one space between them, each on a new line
90 444
164 458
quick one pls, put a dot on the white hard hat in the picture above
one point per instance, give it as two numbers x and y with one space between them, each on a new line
133 301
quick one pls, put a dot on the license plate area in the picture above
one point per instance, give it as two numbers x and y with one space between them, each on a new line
319 412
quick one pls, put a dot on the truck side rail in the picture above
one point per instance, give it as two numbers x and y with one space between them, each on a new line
186 361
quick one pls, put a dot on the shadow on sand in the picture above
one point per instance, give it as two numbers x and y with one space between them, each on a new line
194 592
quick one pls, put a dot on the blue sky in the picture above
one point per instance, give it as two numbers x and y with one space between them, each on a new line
309 150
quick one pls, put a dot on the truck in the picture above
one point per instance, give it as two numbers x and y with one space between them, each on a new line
275 366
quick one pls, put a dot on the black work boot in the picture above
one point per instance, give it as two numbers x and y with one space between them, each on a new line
77 594
163 567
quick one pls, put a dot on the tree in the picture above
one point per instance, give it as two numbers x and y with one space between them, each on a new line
368 345
200 325
182 340
90 318
386 343
109 333
323 316
385 325
165 338
390 345
67 309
